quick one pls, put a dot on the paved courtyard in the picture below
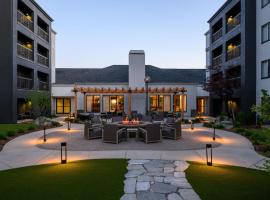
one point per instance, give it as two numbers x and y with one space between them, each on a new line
231 149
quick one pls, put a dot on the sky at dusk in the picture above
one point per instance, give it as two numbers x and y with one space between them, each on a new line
99 33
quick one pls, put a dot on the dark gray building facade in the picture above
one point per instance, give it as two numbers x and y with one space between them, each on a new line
233 53
25 30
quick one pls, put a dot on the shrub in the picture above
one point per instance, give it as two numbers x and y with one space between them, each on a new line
3 136
208 125
11 133
239 130
32 127
21 130
219 126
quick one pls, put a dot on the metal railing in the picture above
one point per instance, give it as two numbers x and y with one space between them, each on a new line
25 52
43 85
217 61
24 83
24 20
43 60
236 21
43 34
234 53
217 35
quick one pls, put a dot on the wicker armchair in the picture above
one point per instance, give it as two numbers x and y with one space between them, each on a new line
111 134
172 131
151 133
92 131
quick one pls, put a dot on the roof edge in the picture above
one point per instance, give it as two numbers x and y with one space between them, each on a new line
219 10
42 10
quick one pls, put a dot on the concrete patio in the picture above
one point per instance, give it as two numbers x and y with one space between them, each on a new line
230 149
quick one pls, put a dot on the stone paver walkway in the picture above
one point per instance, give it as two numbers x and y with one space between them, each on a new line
157 180
23 151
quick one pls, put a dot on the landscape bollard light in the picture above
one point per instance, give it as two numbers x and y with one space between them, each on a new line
191 125
209 154
69 125
214 132
44 134
63 152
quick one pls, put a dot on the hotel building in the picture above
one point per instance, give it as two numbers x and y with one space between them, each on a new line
25 37
122 89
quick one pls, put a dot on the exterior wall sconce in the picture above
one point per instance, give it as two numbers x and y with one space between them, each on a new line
63 152
209 154
44 134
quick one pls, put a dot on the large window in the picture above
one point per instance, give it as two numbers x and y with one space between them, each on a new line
265 69
93 104
266 33
160 103
265 3
113 104
201 106
63 105
180 103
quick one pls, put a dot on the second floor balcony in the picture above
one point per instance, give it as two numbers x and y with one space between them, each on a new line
24 83
216 62
217 35
43 86
25 52
25 20
233 52
43 34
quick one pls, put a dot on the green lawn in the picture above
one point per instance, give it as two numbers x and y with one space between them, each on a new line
225 182
92 179
11 129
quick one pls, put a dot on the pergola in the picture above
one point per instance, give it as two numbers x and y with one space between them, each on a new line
129 91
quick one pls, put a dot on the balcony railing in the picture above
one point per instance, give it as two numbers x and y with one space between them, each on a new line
43 60
217 61
24 52
43 86
24 83
217 35
43 34
234 53
24 20
234 22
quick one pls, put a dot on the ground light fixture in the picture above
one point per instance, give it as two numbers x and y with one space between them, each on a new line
68 125
209 154
191 125
63 152
44 134
214 131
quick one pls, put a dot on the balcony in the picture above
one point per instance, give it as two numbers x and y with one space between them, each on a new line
24 83
217 35
217 61
25 52
43 60
25 20
43 86
43 34
233 52
233 22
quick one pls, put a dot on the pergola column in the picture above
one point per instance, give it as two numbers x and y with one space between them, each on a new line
75 90
84 101
129 102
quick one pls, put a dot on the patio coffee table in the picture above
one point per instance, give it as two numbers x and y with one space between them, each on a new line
133 128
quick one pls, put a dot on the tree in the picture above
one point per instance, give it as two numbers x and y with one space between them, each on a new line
263 110
219 85
40 103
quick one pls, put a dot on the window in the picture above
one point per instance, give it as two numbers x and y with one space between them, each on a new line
113 104
63 105
266 33
265 3
265 69
201 106
180 103
160 103
93 104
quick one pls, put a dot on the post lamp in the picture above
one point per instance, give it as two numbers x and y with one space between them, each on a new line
63 152
147 80
44 134
209 154
183 91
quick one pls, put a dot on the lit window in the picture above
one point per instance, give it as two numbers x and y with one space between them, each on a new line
180 103
113 104
63 105
93 104
265 70
201 106
160 103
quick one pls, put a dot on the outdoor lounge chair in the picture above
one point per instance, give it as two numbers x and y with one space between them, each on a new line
151 133
92 131
111 134
172 131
